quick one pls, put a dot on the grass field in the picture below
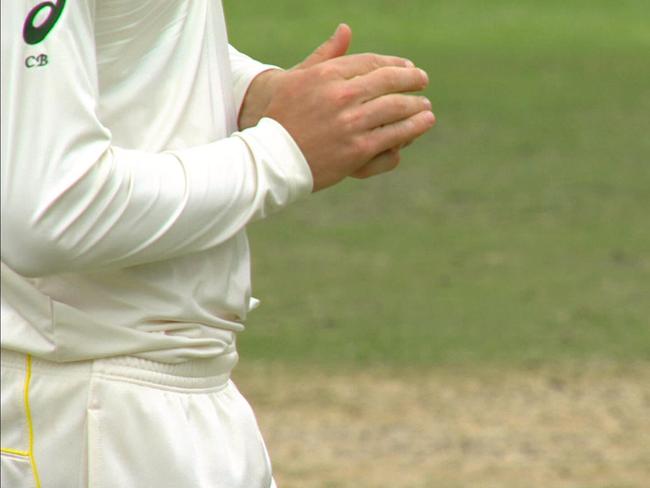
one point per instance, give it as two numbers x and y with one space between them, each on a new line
517 230
514 237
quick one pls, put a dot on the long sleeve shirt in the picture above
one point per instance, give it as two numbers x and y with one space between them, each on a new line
126 188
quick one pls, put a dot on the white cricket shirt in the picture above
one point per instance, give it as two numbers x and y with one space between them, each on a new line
125 188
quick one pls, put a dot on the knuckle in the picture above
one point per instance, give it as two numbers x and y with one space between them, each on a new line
372 60
403 104
419 79
401 133
380 60
408 126
390 77
351 120
345 94
424 78
362 147
326 70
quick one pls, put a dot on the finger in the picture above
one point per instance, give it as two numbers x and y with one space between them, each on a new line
359 64
335 46
384 162
390 79
392 108
401 132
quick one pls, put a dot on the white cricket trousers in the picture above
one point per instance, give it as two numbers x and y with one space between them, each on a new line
127 423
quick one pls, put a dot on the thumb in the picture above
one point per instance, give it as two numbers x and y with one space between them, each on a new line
335 46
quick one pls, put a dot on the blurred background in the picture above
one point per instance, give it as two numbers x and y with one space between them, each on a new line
481 316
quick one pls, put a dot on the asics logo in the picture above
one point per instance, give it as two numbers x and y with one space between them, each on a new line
41 20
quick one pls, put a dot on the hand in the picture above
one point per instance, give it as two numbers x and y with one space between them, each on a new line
263 86
350 114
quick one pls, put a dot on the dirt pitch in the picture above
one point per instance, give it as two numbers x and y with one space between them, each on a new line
569 426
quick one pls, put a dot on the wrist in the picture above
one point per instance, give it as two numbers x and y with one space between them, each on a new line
257 97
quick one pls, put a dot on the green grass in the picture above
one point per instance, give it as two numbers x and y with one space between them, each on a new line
517 231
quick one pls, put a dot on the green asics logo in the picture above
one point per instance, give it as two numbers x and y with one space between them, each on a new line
33 34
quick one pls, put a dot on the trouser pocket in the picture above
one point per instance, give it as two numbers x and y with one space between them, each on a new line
150 435
16 471
16 467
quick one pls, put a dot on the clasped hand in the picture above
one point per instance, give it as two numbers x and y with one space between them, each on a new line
349 114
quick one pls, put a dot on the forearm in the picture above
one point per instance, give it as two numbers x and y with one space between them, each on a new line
72 200
128 207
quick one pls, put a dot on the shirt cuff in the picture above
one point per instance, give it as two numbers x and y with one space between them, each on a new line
284 164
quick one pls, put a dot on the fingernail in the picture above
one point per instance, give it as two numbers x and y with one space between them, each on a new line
409 63
425 76
426 102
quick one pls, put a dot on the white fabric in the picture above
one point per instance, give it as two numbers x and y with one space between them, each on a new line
124 422
125 188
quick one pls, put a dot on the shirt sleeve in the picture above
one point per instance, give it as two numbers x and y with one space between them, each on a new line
72 201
